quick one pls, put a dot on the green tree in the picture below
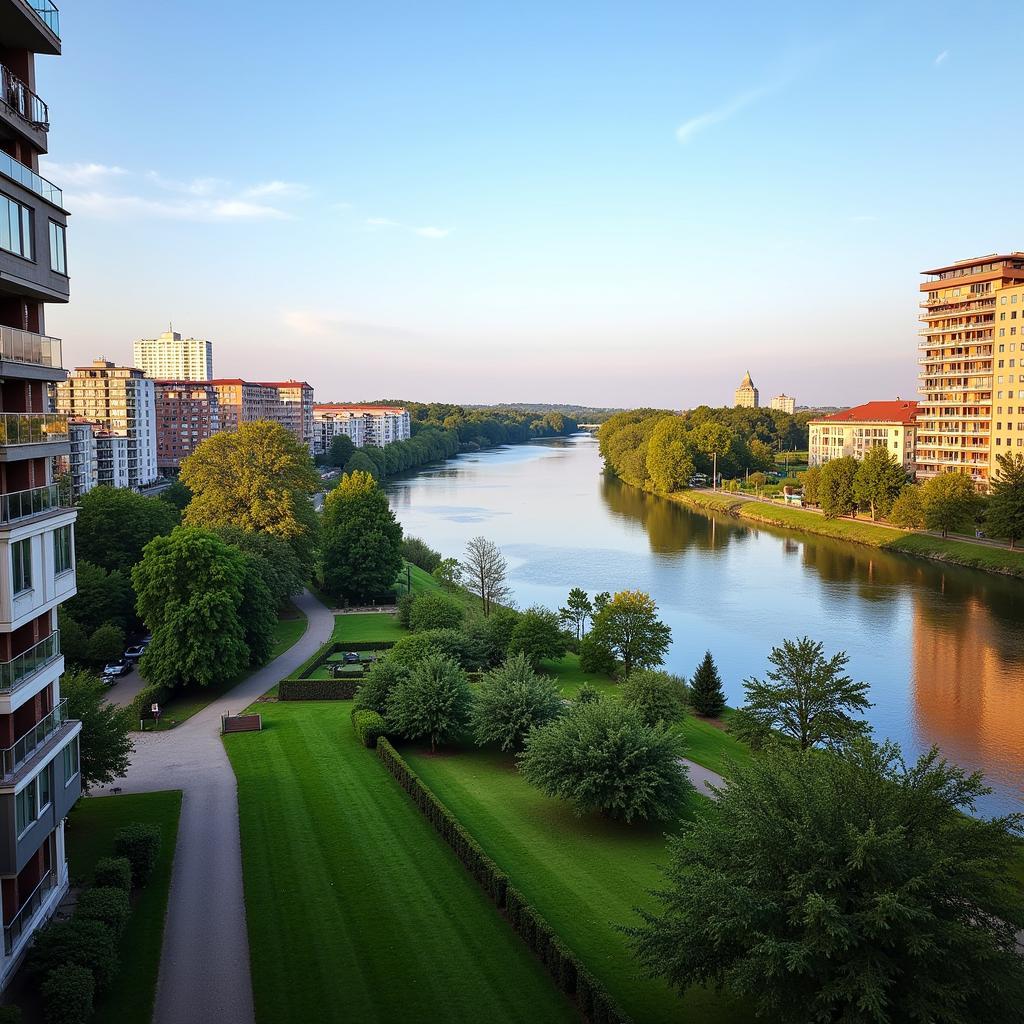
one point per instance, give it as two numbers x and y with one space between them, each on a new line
512 700
602 756
448 573
878 480
950 501
377 684
114 524
258 477
836 487
908 508
1004 516
433 702
275 560
538 634
629 627
484 572
707 695
811 483
655 696
670 455
577 611
258 608
712 439
762 455
177 495
854 889
435 611
340 451
101 597
808 697
74 641
361 462
420 553
362 542
105 744
106 644
190 592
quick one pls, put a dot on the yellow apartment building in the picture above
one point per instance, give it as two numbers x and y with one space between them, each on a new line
854 431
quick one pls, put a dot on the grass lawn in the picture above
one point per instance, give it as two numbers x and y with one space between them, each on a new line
584 874
367 626
90 836
357 910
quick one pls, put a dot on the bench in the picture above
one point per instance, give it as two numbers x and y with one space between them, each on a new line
241 723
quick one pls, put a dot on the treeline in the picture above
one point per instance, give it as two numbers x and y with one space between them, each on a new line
662 450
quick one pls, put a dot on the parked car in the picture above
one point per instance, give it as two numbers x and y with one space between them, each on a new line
115 669
135 652
352 658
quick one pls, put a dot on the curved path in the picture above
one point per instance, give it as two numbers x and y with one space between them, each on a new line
204 965
702 778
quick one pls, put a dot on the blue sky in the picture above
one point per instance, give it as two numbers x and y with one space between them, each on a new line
616 204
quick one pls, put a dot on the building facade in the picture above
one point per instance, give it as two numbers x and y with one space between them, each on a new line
39 769
121 399
854 431
112 459
376 425
82 465
784 403
187 414
969 370
293 407
172 357
746 395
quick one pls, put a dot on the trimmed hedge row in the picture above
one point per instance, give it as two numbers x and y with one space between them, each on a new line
318 689
148 695
593 1000
362 645
315 661
368 726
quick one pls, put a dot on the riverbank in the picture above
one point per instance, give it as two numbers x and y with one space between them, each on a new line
956 552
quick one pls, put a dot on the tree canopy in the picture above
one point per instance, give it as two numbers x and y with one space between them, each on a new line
878 480
629 628
512 700
105 745
707 695
484 572
432 702
114 524
950 502
1004 516
835 487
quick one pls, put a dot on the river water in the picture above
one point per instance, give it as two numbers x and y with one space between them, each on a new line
943 648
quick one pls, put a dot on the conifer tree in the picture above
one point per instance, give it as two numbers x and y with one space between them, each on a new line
707 697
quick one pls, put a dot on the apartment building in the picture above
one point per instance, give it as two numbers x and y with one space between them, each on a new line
82 461
969 372
172 357
293 407
239 401
855 431
187 413
746 395
122 400
784 403
376 425
39 770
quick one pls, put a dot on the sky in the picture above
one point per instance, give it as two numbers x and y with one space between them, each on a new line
612 204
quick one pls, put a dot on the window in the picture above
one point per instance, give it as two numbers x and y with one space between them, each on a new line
21 561
43 779
62 549
15 227
70 756
26 806
58 248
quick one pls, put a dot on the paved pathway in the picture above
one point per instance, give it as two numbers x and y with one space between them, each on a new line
204 966
126 689
702 777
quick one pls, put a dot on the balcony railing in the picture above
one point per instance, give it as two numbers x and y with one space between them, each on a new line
47 13
36 898
22 100
22 504
34 182
25 347
32 427
15 756
14 672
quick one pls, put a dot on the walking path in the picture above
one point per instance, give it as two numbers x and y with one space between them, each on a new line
204 965
703 777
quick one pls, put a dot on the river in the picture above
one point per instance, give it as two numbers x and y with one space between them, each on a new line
942 648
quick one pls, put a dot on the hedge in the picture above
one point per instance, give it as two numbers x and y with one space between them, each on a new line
318 689
147 696
593 1000
113 871
105 904
315 661
85 943
369 726
140 843
68 994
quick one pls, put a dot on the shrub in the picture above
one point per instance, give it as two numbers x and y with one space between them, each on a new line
10 1014
105 904
587 694
146 697
420 553
318 689
405 603
451 643
435 611
596 657
377 685
707 697
368 726
498 628
112 872
603 757
81 942
140 843
68 994
433 701
538 634
511 701
656 696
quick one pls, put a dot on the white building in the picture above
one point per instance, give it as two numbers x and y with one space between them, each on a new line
172 357
373 425
112 459
784 404
82 467
892 425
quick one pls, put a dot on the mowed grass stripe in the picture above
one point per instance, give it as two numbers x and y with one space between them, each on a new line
356 908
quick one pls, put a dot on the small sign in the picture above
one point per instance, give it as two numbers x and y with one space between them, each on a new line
155 709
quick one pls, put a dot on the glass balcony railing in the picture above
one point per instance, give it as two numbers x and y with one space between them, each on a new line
34 182
25 347
32 427
14 672
15 756
20 921
22 100
23 504
47 13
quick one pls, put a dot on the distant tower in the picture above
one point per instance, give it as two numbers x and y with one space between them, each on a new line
746 394
784 403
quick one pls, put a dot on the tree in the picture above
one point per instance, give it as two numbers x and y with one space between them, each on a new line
836 487
258 477
629 627
577 611
1005 514
362 541
420 553
878 480
100 597
257 609
433 701
105 744
448 573
468 650
670 455
762 455
596 656
177 495
811 483
340 451
190 592
950 500
360 462
808 697
655 696
435 611
908 508
114 524
855 889
601 756
377 684
512 700
538 634
484 572
275 561
707 696
106 644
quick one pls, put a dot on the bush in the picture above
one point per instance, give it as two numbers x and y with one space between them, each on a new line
420 553
538 634
435 611
146 697
318 689
10 1014
498 628
377 685
588 694
68 994
656 696
106 904
112 872
461 647
405 603
433 701
81 942
368 726
511 701
596 657
140 844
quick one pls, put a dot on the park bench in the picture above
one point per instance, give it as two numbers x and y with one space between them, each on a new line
241 723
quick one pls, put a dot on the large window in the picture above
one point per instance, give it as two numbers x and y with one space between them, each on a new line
21 560
62 549
27 806
58 248
15 227
70 755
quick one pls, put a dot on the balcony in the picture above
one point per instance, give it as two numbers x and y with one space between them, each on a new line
20 922
19 505
28 178
32 428
47 13
22 666
15 756
25 347
22 100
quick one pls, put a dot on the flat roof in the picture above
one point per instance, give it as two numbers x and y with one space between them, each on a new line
991 258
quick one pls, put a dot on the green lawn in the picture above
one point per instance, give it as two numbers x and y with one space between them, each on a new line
90 836
584 874
367 626
357 910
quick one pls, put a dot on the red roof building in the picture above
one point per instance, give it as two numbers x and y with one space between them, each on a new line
853 432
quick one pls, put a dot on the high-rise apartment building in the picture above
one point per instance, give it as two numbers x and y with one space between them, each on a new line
186 414
82 465
784 403
375 425
892 425
294 407
172 357
121 399
39 769
972 396
746 395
